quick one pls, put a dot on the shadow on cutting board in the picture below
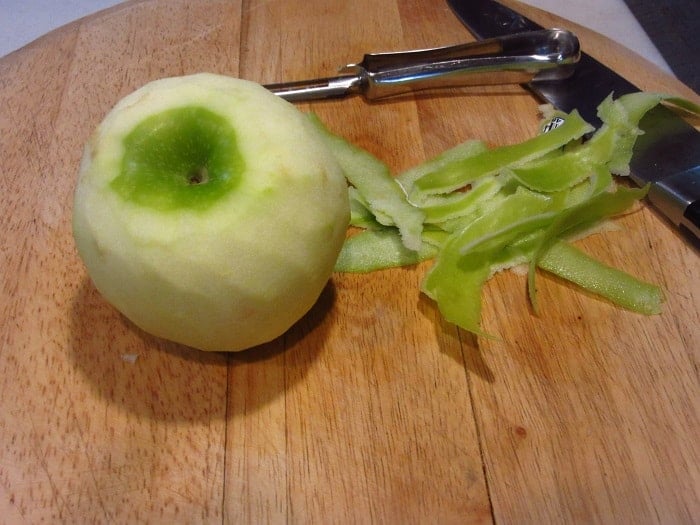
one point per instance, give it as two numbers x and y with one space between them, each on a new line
464 346
167 381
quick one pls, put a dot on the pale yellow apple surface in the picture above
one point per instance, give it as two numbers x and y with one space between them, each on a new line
240 271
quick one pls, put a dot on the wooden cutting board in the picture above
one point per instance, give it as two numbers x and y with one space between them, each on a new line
370 409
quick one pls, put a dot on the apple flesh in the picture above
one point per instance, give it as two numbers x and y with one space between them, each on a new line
209 211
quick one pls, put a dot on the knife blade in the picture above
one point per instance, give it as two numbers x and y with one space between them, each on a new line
535 56
667 155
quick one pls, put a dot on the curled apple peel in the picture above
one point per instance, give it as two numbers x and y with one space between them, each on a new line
209 211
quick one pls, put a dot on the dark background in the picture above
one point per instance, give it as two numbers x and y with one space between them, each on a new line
674 27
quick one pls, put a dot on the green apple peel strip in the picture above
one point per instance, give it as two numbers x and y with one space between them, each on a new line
373 250
485 210
568 262
380 191
579 218
448 157
463 172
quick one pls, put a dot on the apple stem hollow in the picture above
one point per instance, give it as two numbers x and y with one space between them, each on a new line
199 175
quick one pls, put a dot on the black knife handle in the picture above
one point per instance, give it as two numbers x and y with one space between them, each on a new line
677 196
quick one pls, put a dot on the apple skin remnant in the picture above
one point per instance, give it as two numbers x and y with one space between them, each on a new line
209 211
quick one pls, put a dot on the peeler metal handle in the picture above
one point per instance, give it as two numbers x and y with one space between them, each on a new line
515 59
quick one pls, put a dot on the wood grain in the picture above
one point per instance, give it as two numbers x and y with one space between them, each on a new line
371 409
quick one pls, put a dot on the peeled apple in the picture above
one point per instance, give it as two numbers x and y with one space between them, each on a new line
209 211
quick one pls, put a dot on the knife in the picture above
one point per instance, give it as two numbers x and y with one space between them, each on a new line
537 56
667 155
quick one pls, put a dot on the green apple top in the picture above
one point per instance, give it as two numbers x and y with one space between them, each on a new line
185 157
209 211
